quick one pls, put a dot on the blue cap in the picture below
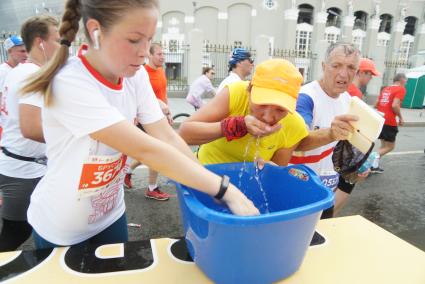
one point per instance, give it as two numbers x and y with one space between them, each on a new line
13 41
239 54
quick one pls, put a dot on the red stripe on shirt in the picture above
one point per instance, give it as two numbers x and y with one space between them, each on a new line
311 159
96 74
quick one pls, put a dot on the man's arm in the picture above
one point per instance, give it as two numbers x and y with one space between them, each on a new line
396 107
282 156
305 107
340 129
204 125
30 122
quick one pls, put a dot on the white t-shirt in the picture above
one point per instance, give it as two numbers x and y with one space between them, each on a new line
319 110
199 87
4 70
83 103
232 78
12 138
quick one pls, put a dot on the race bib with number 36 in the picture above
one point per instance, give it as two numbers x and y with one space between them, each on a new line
99 172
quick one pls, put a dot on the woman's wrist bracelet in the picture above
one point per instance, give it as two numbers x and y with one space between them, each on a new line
224 185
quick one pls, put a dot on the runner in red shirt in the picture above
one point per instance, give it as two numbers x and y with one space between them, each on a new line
364 74
389 102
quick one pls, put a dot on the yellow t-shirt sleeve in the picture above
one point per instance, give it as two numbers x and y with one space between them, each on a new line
294 130
238 98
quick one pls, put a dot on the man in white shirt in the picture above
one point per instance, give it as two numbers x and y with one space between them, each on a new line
319 103
16 54
240 67
201 86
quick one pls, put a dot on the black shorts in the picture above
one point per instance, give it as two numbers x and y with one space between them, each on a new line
388 133
345 186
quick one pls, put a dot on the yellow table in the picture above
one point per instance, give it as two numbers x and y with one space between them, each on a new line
355 251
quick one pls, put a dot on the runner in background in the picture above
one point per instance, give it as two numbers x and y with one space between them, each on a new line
389 102
15 48
364 74
202 85
159 84
92 102
22 161
241 65
16 54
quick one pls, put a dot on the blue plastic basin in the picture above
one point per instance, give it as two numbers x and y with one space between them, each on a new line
257 249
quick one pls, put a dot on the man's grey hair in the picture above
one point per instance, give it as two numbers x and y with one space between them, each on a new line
347 48
399 76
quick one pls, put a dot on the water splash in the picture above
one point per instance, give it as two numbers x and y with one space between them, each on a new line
264 208
245 157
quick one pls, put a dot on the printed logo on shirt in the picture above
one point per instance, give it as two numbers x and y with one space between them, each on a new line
3 108
385 99
101 179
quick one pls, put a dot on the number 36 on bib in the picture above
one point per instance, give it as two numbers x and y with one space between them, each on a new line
99 172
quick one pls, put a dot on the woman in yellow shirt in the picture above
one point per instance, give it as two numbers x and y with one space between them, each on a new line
230 124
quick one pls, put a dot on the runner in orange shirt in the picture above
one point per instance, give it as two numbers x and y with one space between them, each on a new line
159 85
364 74
156 72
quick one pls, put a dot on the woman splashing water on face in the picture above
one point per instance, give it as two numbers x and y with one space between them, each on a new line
91 103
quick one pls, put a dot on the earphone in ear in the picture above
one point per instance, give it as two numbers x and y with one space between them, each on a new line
96 44
41 46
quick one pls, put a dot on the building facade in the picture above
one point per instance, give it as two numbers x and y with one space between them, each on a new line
202 32
398 25
392 32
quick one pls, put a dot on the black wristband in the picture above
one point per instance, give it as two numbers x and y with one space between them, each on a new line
224 185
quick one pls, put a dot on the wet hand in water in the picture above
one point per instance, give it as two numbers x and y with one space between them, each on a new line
261 163
238 203
258 128
341 129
